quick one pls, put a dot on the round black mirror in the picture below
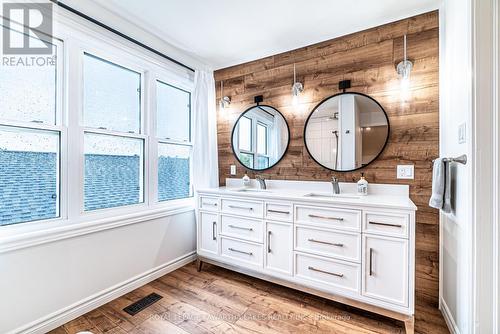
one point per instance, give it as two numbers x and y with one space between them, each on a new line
260 137
346 131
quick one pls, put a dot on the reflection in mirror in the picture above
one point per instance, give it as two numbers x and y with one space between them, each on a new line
346 131
260 137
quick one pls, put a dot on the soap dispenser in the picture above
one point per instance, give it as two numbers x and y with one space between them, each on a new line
246 180
362 186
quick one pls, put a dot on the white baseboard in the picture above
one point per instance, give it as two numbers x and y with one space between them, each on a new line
450 322
58 318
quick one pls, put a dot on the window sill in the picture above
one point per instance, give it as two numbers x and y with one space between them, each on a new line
19 237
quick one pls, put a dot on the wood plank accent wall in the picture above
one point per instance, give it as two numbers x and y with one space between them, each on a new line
368 58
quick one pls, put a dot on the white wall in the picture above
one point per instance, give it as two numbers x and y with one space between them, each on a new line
469 93
455 109
43 285
485 29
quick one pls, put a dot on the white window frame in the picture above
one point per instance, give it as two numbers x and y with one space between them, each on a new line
59 126
78 36
165 79
254 121
142 135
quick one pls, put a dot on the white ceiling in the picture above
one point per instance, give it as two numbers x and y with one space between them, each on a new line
229 32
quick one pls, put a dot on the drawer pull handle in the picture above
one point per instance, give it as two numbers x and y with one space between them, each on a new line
386 224
240 207
371 258
214 228
269 241
324 217
241 228
238 251
326 242
278 211
325 272
206 203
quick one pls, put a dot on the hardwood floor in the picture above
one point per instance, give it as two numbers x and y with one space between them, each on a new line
217 300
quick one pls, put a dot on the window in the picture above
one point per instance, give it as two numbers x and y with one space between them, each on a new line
114 153
29 93
261 138
245 134
174 142
112 96
101 145
174 113
246 159
113 171
30 135
29 175
262 162
253 142
173 171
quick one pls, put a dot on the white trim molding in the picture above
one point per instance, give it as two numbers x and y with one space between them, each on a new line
58 318
12 243
483 205
448 318
496 164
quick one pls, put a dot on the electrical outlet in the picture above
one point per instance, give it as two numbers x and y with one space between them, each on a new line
462 134
233 169
406 172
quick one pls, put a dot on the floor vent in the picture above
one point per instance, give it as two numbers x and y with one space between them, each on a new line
141 304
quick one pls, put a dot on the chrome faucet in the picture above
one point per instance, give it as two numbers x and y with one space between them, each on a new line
262 181
335 185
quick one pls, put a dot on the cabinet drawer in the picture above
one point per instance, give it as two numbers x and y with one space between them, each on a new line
386 224
243 252
326 272
243 207
341 245
209 203
329 217
247 229
279 211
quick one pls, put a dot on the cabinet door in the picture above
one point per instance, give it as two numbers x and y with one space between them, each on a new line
279 247
385 273
208 237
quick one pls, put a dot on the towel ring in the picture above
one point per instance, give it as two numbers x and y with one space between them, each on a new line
461 159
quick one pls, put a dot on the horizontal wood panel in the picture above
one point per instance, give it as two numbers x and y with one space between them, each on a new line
368 58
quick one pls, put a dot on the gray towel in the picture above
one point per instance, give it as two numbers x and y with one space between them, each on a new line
447 188
441 186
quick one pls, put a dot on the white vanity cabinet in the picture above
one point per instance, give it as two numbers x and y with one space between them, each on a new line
359 251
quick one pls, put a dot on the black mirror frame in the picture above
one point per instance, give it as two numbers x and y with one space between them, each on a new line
344 93
234 128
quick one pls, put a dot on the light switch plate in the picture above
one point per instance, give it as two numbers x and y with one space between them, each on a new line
233 169
406 172
462 134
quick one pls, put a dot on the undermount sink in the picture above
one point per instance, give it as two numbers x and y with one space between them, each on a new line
250 190
330 195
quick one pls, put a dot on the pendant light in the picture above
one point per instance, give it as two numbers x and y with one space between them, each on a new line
404 69
225 101
297 88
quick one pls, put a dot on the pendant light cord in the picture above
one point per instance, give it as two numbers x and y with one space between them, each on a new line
294 74
404 47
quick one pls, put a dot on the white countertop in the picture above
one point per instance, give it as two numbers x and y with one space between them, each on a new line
376 200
